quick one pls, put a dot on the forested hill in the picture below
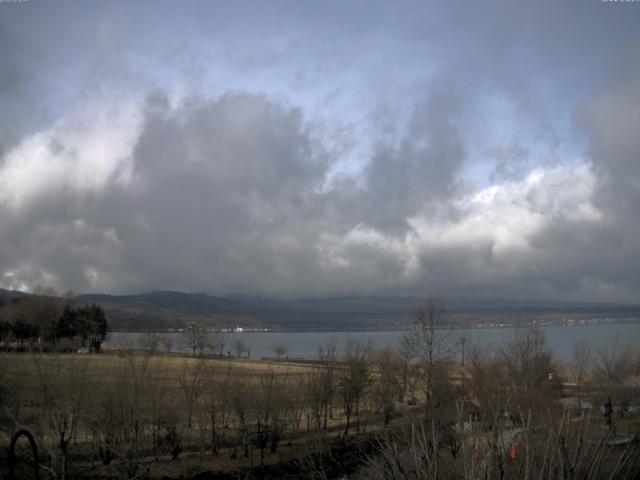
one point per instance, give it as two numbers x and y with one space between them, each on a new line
167 309
170 309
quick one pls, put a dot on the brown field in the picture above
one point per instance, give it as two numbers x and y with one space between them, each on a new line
26 369
28 374
180 416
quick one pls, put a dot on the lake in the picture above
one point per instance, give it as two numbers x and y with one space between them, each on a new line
561 339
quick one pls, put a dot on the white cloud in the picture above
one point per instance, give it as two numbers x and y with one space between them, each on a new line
506 215
83 152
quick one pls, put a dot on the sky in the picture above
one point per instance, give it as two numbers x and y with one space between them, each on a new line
291 148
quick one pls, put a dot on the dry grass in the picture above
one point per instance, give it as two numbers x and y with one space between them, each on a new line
24 369
28 373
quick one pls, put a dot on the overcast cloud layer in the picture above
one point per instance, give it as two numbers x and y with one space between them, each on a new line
489 149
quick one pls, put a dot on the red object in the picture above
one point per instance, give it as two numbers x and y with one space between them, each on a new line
514 453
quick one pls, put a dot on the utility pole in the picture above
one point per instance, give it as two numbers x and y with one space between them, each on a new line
462 342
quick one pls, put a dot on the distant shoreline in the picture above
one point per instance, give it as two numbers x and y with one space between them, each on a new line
587 323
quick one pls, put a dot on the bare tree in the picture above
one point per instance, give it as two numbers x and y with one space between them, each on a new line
240 348
271 408
150 342
241 402
581 359
192 383
160 408
327 378
119 415
217 342
528 358
298 396
62 392
167 342
280 351
194 337
613 365
35 318
563 448
405 373
314 397
430 342
69 295
217 399
413 453
388 384
44 291
354 378
488 376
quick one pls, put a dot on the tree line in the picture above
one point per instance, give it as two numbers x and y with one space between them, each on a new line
48 322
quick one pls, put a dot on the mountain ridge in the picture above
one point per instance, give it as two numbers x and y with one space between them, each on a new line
166 309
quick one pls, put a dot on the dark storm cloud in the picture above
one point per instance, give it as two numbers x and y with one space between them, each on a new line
307 149
612 120
218 188
209 179
418 173
230 193
17 85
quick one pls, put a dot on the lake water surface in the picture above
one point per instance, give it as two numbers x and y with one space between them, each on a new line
561 339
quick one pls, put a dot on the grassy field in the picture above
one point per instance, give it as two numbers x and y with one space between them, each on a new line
25 370
44 386
161 409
